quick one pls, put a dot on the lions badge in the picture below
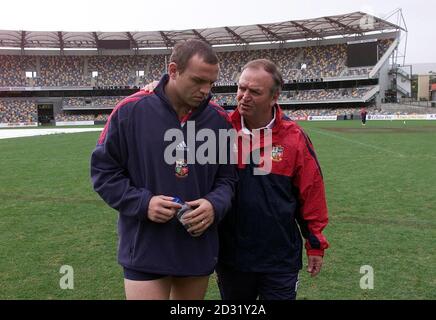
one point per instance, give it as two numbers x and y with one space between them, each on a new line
277 153
181 168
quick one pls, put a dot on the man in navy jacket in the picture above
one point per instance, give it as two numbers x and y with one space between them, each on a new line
134 173
260 238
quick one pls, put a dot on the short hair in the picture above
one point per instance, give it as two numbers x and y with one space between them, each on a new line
269 67
185 50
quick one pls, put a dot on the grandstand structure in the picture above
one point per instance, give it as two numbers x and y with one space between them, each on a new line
331 65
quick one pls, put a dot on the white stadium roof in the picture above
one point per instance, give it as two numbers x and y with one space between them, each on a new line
355 23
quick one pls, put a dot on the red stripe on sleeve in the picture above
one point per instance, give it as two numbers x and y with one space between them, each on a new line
135 97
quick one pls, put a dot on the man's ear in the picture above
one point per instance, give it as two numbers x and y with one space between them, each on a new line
275 98
172 70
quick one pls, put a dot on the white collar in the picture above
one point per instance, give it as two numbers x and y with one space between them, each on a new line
268 126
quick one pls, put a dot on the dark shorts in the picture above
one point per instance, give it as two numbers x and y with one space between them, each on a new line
237 285
136 275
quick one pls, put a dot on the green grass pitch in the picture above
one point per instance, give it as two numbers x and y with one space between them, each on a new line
381 190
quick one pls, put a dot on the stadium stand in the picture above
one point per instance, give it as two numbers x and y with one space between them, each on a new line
312 55
55 71
18 111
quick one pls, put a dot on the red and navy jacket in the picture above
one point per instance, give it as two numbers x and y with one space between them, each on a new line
128 168
261 233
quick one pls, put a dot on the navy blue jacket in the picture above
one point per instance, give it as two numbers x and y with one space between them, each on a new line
261 233
128 168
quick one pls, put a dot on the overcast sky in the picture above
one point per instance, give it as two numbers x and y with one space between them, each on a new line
146 15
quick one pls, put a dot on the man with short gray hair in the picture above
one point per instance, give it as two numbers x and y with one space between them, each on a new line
260 238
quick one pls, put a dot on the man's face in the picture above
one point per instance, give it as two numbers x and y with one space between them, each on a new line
195 82
254 97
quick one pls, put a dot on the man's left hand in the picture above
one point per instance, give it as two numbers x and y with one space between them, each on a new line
201 217
314 265
150 86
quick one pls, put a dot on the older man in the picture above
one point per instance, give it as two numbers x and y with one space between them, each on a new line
260 240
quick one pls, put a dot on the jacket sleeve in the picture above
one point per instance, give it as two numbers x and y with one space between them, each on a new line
109 175
224 186
223 190
313 213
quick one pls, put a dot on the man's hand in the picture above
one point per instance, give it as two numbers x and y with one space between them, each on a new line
314 265
162 208
201 217
150 86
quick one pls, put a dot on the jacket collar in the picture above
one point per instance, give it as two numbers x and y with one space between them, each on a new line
236 119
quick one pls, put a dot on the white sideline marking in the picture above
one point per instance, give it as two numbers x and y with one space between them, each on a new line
19 133
359 143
